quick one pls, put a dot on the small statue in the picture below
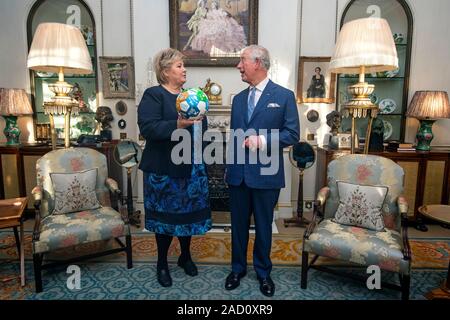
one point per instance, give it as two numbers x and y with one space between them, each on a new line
377 135
207 88
334 122
104 117
334 119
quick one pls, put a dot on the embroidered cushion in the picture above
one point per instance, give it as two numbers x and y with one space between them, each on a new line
360 205
75 191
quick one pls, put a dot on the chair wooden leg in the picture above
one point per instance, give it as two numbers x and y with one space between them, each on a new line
129 252
37 264
304 277
405 281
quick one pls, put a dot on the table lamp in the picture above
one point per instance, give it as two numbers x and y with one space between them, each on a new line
427 106
59 48
13 103
363 46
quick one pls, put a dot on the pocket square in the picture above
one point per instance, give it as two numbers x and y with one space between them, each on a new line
273 105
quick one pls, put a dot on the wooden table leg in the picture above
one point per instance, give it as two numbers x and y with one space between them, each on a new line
22 255
16 236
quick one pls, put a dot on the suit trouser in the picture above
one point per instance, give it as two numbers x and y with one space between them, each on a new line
243 202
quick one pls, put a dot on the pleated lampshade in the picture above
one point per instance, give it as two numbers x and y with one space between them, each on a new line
57 45
429 105
364 42
14 102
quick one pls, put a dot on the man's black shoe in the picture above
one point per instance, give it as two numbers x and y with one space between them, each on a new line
164 278
233 280
266 286
189 267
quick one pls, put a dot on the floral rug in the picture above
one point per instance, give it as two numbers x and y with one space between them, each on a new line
107 277
215 248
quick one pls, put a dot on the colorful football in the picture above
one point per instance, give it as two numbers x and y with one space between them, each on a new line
192 104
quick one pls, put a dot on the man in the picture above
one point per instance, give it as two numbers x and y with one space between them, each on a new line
268 114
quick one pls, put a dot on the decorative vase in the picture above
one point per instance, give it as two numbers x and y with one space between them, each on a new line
11 130
424 135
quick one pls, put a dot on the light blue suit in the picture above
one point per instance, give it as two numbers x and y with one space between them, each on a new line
251 192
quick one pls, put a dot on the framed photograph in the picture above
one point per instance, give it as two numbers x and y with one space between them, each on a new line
344 140
213 32
118 77
121 108
315 83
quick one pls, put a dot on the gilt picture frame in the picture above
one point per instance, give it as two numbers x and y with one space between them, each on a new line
118 77
212 32
316 84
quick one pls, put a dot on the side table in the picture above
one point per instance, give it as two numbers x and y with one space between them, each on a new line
441 213
11 216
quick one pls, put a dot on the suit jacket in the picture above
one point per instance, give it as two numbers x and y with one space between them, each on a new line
276 109
157 119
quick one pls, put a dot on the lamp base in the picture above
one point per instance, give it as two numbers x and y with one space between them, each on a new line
360 106
11 130
424 135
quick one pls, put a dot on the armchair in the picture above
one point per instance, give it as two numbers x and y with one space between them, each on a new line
389 249
54 230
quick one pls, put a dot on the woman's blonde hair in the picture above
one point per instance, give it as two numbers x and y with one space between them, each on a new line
163 60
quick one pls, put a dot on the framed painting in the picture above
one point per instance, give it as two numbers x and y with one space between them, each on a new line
213 32
118 77
315 83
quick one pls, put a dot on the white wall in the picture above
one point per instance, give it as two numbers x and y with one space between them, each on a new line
13 55
288 28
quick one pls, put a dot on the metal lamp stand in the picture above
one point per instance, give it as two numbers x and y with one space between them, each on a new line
299 220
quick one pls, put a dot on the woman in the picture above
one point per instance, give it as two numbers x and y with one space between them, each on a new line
193 22
317 87
219 30
176 197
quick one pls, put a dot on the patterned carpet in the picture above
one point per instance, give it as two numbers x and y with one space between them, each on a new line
108 278
112 281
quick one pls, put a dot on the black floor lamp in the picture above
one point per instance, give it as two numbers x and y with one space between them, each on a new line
302 156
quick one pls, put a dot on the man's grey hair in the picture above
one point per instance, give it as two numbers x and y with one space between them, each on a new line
259 53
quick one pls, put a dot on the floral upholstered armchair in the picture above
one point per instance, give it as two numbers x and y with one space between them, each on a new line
360 217
73 207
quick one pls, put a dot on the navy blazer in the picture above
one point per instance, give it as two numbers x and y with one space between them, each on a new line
276 109
157 119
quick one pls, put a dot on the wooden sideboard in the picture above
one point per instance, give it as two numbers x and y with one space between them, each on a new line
426 175
18 167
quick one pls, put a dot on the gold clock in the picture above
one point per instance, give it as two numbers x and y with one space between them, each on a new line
214 92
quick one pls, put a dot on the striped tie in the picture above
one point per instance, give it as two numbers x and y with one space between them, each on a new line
251 102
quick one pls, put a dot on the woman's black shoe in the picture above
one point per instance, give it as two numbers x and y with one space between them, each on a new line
164 278
189 267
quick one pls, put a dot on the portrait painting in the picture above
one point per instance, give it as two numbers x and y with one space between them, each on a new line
212 32
118 77
315 83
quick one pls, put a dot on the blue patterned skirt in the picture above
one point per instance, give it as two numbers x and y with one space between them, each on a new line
177 206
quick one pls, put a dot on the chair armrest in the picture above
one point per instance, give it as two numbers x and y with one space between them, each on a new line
37 196
403 208
37 193
318 207
317 217
37 220
113 186
322 196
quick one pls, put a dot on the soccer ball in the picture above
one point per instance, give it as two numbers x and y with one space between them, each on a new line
192 104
